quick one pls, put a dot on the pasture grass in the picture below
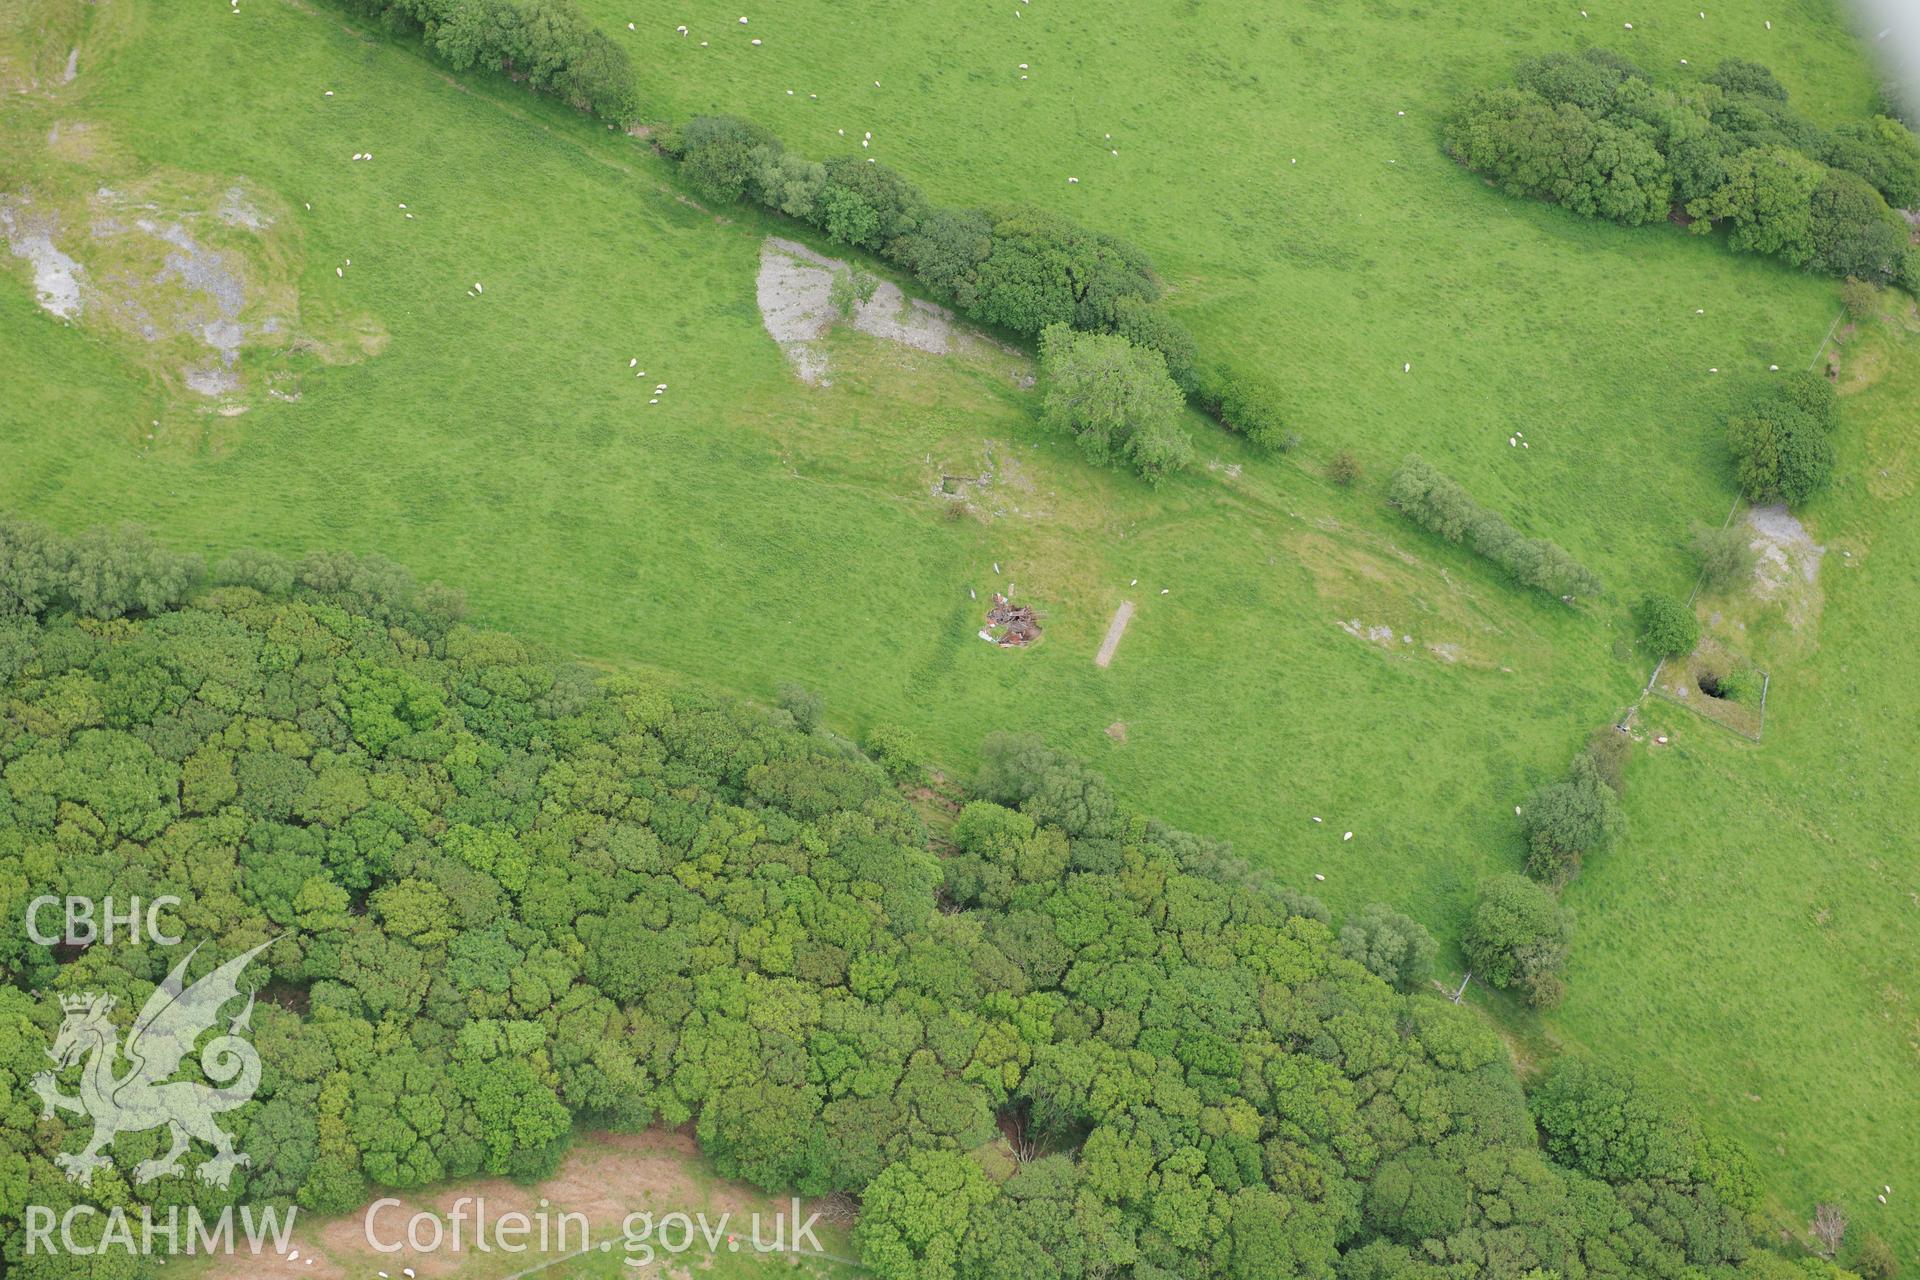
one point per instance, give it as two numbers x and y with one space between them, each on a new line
1754 938
1309 230
749 530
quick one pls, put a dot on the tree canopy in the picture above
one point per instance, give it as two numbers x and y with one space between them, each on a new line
1594 133
1116 399
507 897
1518 936
550 44
1781 444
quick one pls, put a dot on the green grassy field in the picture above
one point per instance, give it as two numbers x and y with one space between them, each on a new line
1309 229
1756 936
748 529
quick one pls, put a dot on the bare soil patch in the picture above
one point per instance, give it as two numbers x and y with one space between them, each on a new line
1788 568
1115 629
190 273
995 484
1379 633
56 276
1389 598
605 1179
194 276
794 290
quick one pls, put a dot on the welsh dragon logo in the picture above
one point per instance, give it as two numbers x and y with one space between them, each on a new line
144 1097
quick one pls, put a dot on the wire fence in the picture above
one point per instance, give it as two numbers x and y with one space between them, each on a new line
1766 679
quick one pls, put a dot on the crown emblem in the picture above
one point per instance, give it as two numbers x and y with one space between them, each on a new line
146 1096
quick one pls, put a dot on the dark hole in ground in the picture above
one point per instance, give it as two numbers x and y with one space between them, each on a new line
1710 685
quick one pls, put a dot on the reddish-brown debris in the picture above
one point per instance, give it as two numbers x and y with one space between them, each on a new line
1020 625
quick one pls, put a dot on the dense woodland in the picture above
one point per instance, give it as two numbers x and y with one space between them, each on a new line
513 897
1593 132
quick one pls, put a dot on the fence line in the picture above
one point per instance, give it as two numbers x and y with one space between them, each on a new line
1737 732
1700 580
